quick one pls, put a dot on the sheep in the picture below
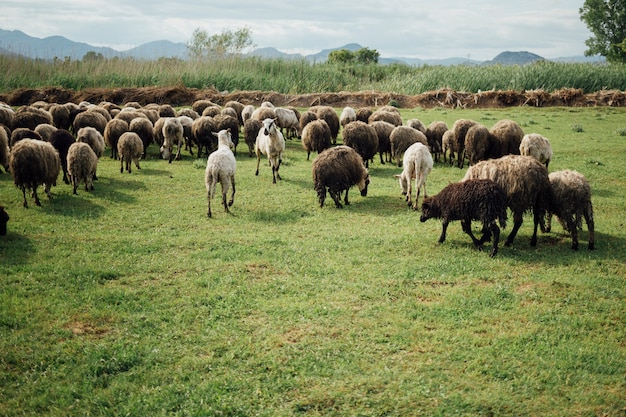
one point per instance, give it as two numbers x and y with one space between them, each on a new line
401 138
460 128
263 113
224 122
238 107
94 139
307 117
569 200
416 124
348 114
202 129
288 122
525 182
187 123
143 127
23 133
45 130
316 137
477 144
172 136
212 111
60 116
246 112
62 139
112 132
81 165
447 146
166 110
535 145
506 138
338 169
383 131
362 138
251 129
434 136
199 105
392 117
4 149
90 118
480 199
33 162
130 149
186 111
229 111
30 117
128 114
363 114
330 116
6 115
221 166
4 219
271 143
417 164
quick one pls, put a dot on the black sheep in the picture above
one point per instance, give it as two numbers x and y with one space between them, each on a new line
482 200
4 218
338 169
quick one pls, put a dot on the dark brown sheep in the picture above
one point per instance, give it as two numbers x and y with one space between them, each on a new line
144 128
4 219
62 140
460 128
383 131
60 116
90 118
434 136
225 122
202 129
23 133
332 119
30 117
477 144
306 118
481 200
363 114
316 137
392 117
362 138
506 137
4 149
338 169
251 129
401 138
112 132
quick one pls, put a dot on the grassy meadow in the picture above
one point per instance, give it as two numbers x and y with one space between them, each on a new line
128 300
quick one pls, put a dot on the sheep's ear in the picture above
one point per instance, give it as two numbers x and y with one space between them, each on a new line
215 134
228 130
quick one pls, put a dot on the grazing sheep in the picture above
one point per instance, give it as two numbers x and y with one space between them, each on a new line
62 139
220 167
306 118
348 114
506 138
112 132
416 124
81 165
90 118
30 117
172 136
525 182
569 201
143 127
202 129
60 116
477 144
482 200
23 133
224 122
166 110
460 128
33 162
417 163
45 130
288 122
362 138
6 115
251 129
94 139
315 137
4 219
212 111
130 149
128 114
271 143
238 107
392 117
246 112
363 114
434 136
401 138
4 149
186 111
338 169
383 131
229 111
263 113
199 105
330 116
537 146
447 146
187 123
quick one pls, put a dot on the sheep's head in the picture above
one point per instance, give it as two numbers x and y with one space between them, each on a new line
269 126
363 185
166 152
430 210
224 138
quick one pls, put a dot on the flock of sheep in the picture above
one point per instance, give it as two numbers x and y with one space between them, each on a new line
508 169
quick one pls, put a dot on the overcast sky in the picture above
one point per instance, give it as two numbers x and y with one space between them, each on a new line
413 28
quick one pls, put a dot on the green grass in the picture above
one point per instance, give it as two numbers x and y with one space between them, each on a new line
128 300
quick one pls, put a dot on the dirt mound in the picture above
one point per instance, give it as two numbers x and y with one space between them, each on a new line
183 96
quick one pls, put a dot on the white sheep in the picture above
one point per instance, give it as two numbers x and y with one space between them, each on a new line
271 143
537 146
348 114
220 167
417 164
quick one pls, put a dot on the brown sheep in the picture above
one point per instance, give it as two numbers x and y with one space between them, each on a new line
362 138
4 149
251 129
225 122
506 138
392 117
332 119
363 114
401 138
383 131
316 137
536 145
434 136
112 132
143 127
202 129
338 169
62 139
90 118
460 128
306 118
130 149
81 165
477 144
30 117
23 133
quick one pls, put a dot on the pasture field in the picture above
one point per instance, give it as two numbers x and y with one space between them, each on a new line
128 300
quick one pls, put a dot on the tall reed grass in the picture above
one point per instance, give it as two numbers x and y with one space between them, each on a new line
300 76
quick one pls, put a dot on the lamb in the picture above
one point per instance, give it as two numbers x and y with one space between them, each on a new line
338 169
348 114
221 166
383 131
251 129
33 162
434 136
172 136
330 116
506 138
417 163
288 122
271 143
401 138
535 145
62 139
81 165
477 144
4 219
4 149
112 132
570 199
525 182
460 128
130 149
362 138
316 137
480 199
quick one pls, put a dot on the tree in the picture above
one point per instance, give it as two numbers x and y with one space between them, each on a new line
367 56
361 56
341 56
204 46
92 56
606 19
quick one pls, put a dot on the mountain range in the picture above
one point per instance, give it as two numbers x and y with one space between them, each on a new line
15 42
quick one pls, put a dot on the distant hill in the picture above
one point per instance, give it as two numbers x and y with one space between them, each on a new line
15 42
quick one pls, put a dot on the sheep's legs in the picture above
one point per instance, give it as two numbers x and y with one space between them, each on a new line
232 195
467 228
517 223
345 200
496 239
336 196
444 228
588 214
